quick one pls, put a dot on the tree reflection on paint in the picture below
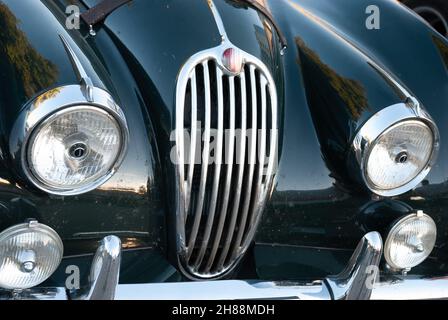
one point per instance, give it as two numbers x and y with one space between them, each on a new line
443 49
350 91
28 70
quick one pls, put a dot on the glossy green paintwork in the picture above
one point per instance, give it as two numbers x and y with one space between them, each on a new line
317 213
327 90
130 204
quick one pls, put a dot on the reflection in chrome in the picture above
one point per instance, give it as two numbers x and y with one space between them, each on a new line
47 106
356 282
219 204
411 288
350 284
105 270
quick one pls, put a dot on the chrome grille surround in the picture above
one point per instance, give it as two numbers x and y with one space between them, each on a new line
219 205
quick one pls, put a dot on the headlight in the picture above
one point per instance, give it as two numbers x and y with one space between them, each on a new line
71 145
410 241
396 149
399 155
29 254
74 147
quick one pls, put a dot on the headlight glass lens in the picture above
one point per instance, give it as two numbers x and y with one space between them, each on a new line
28 255
399 155
410 241
74 147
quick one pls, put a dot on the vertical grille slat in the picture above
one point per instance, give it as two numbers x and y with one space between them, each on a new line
241 157
220 202
204 162
181 210
252 161
262 135
193 135
263 146
228 180
217 172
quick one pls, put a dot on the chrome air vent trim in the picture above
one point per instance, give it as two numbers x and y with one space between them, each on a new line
219 204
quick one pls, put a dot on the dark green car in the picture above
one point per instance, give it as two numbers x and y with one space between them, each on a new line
222 149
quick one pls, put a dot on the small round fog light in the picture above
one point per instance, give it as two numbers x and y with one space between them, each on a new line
410 241
29 254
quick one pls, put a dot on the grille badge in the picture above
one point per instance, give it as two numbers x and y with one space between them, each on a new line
232 60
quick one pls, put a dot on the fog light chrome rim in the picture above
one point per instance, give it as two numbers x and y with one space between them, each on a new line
29 255
422 248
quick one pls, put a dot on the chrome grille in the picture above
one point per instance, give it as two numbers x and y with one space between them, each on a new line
223 179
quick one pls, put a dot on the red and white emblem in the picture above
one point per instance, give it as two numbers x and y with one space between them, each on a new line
232 60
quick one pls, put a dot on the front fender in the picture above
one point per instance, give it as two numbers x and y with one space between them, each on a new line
317 211
33 60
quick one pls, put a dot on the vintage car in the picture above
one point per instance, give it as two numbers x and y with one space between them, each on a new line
222 149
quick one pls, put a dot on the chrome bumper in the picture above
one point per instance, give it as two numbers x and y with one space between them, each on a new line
357 282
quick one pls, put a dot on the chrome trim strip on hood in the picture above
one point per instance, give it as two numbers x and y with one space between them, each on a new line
257 6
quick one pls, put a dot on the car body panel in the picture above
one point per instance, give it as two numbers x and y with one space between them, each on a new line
128 204
310 212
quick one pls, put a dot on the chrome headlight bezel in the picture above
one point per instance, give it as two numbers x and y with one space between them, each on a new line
380 123
51 104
